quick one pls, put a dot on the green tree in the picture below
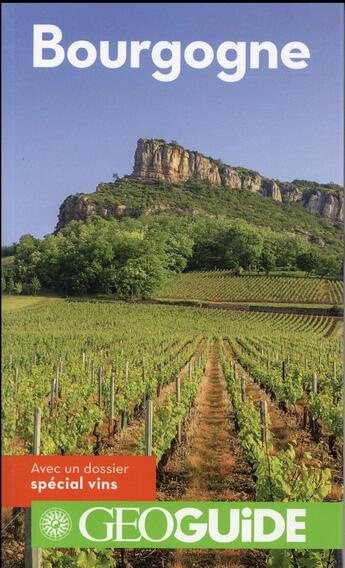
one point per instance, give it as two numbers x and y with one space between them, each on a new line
140 277
35 285
18 288
328 265
287 248
26 258
10 285
308 261
242 246
268 258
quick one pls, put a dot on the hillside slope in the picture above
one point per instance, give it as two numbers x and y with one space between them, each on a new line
169 169
131 197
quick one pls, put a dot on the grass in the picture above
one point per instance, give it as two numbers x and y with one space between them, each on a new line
15 303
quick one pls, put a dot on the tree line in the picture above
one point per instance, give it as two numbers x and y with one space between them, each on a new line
133 258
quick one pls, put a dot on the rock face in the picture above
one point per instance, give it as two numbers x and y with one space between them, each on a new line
79 207
321 201
327 205
270 188
158 161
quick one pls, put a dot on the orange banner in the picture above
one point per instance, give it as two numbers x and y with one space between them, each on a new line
77 478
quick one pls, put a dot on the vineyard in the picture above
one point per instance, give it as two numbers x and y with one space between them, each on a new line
265 388
222 286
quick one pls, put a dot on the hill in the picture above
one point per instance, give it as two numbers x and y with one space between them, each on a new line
129 197
181 211
167 176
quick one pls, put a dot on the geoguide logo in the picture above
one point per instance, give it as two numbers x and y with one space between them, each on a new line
55 524
157 524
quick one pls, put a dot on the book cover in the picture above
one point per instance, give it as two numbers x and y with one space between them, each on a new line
172 285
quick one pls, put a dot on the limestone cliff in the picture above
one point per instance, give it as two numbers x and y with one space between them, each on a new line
79 207
159 162
326 202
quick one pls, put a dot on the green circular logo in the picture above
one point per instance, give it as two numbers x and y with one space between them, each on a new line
55 523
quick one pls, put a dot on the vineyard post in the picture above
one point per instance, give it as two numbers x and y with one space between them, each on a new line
32 556
234 371
83 359
243 389
314 422
334 370
306 364
100 387
263 417
178 397
16 379
143 377
124 419
52 393
305 417
148 427
57 381
124 412
283 372
159 384
111 413
314 383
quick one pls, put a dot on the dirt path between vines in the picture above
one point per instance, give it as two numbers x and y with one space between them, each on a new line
287 428
126 442
210 466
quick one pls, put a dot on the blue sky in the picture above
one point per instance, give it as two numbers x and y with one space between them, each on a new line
67 129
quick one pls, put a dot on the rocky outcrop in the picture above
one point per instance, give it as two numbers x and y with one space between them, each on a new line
320 200
326 204
155 160
158 161
79 207
270 188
